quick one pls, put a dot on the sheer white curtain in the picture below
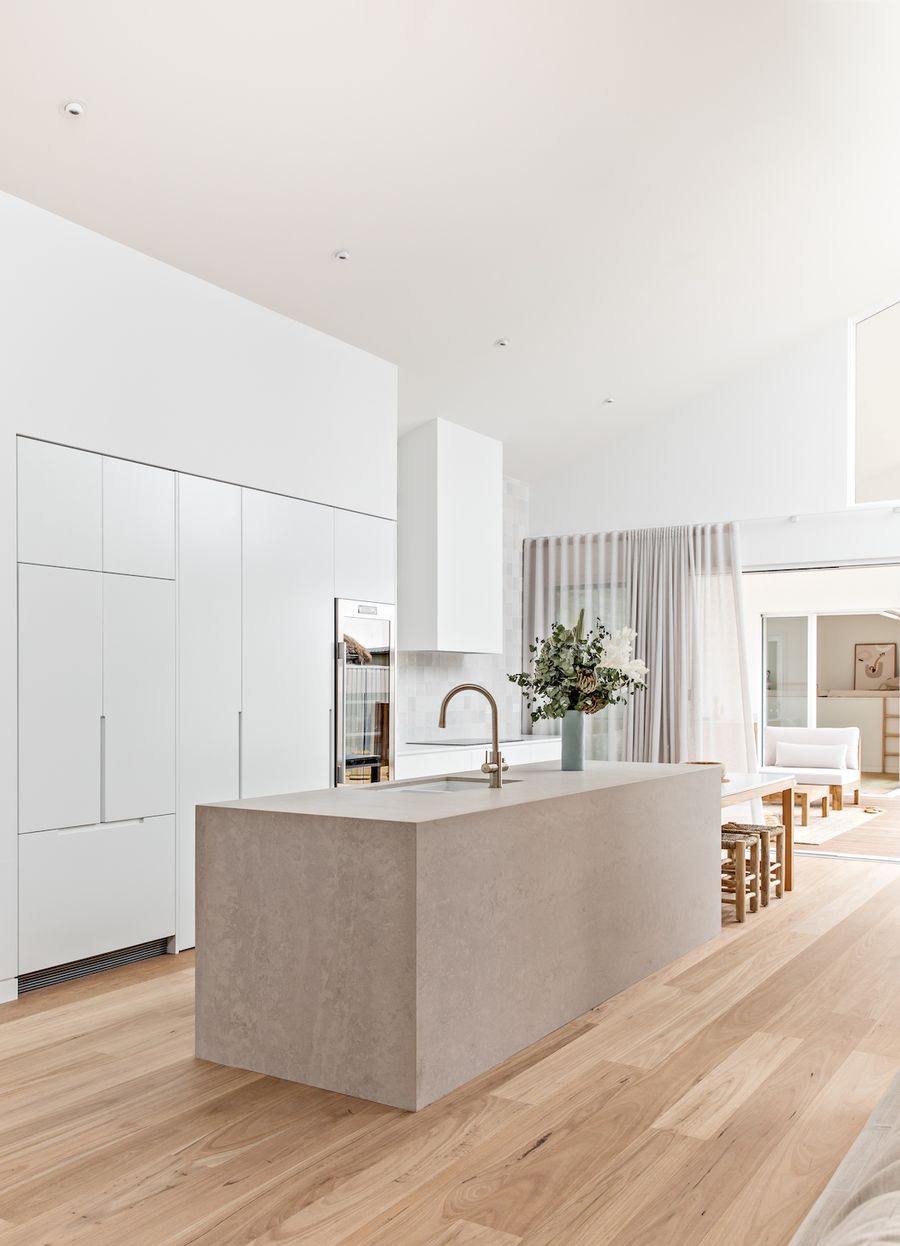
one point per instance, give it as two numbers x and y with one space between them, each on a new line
680 588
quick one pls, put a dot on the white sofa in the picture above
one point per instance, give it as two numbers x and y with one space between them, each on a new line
837 778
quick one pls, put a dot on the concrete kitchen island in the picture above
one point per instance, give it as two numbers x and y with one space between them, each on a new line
393 941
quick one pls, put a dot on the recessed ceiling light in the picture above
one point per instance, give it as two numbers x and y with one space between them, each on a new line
73 108
502 341
608 401
340 255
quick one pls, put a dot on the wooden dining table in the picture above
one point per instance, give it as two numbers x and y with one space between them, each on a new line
738 789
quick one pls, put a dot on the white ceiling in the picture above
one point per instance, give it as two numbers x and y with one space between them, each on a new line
642 195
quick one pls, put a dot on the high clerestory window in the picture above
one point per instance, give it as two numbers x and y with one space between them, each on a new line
878 407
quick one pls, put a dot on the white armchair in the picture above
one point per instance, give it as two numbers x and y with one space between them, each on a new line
813 755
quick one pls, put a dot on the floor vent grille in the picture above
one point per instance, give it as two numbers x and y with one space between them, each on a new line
91 964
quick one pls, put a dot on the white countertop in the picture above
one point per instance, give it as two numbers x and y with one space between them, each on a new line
399 802
859 692
404 749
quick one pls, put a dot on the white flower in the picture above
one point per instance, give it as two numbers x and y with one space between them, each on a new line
618 654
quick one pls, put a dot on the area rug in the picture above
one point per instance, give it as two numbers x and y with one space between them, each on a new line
820 829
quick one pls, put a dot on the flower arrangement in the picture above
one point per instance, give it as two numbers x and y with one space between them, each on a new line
574 671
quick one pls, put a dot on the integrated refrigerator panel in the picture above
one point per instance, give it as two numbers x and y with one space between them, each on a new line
364 692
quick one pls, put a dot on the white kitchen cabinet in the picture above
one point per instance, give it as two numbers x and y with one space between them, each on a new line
432 762
209 629
365 557
138 519
866 711
288 644
450 540
59 505
425 762
94 889
537 748
59 697
138 697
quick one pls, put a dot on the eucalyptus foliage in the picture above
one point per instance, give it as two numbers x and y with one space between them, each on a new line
574 671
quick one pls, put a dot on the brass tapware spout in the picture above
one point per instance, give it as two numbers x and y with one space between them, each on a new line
494 765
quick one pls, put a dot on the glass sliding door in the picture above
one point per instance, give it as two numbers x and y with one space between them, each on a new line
787 657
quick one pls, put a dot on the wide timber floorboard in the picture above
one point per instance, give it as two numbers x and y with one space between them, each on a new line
706 1105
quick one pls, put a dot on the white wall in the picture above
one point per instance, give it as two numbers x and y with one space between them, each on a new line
850 536
769 443
837 634
877 385
106 349
109 350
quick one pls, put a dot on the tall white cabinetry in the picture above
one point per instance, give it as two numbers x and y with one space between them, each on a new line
209 639
176 648
60 696
138 519
85 890
96 707
60 505
257 577
138 697
451 540
288 644
365 557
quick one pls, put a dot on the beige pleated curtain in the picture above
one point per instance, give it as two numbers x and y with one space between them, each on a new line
680 588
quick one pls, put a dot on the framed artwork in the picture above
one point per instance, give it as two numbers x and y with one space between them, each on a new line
874 665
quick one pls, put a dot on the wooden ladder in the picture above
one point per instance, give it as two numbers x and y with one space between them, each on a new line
889 747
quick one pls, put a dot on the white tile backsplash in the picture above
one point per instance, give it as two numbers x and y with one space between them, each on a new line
424 678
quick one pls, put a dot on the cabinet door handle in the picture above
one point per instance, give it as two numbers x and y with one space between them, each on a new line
331 749
336 724
102 767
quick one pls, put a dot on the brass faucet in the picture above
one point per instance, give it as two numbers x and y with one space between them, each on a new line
494 765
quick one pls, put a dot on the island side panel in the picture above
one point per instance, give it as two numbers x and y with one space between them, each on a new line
531 916
306 950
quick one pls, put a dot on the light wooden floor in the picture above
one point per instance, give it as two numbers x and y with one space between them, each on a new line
708 1104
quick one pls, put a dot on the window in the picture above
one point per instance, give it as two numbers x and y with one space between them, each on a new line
878 407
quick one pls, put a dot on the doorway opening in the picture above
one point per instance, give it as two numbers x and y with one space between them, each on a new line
823 650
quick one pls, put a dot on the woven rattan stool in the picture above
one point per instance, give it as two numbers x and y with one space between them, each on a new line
740 871
770 837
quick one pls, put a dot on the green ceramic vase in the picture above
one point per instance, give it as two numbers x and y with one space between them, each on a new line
573 740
